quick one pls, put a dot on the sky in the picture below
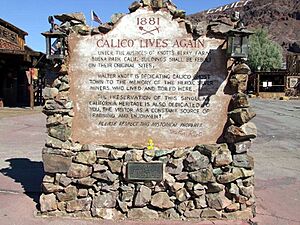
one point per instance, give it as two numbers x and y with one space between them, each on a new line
32 15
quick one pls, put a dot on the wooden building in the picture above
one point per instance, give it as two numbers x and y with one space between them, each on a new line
293 78
277 83
15 59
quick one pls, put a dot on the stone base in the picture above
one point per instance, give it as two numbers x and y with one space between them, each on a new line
205 182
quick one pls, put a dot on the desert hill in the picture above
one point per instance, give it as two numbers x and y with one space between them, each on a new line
280 17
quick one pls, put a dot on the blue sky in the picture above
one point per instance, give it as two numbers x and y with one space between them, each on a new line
31 15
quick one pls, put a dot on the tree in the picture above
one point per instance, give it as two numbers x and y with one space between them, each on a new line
264 53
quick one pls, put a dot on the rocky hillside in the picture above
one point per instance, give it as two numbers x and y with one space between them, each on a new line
280 17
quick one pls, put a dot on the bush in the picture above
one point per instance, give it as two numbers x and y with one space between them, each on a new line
263 52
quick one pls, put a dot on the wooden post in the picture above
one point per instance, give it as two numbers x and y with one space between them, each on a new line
31 94
285 80
257 83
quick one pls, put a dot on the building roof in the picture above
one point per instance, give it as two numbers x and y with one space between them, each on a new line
12 27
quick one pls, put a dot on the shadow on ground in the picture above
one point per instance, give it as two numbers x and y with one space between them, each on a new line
28 173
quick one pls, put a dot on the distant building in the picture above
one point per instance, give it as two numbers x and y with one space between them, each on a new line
15 59
277 83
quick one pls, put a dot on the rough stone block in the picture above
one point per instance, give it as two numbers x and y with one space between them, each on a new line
249 129
69 194
55 151
219 28
109 187
99 168
133 155
247 191
61 206
218 200
233 207
86 181
182 176
116 17
71 16
202 176
48 179
241 147
50 93
103 153
134 6
241 215
214 187
142 214
106 176
193 214
123 206
50 188
48 202
240 100
174 166
83 193
74 147
195 161
107 214
143 196
64 180
82 214
179 14
211 213
248 182
198 190
115 166
182 195
243 160
201 28
61 132
186 206
64 86
238 134
200 202
242 115
54 120
157 4
56 163
63 70
83 204
176 186
162 200
105 200
104 28
79 171
181 153
146 2
230 176
209 150
241 68
246 172
170 214
89 147
115 154
222 157
88 157
234 189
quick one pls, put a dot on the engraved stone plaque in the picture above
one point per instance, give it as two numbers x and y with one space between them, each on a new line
141 171
148 79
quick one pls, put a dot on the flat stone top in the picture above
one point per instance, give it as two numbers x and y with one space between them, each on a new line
148 79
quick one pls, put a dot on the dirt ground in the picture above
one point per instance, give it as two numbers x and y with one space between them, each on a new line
277 165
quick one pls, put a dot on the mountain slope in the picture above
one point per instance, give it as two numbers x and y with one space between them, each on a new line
280 17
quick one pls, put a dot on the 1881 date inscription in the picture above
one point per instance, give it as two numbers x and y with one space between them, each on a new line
148 78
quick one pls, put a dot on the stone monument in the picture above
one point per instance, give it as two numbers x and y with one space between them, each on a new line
147 119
